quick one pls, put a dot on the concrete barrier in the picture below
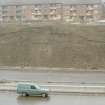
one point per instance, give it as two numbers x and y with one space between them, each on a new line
49 69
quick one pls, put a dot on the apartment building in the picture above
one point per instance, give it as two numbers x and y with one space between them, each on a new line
0 14
83 12
53 10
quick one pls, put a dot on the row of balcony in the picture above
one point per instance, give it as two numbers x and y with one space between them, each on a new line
50 14
71 7
69 18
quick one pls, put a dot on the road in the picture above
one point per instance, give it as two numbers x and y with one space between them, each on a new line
53 76
12 98
7 98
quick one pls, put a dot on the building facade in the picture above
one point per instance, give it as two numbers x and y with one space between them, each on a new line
33 11
83 12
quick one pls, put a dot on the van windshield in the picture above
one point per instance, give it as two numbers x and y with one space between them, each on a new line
38 87
33 87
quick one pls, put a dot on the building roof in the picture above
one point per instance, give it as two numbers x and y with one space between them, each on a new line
21 2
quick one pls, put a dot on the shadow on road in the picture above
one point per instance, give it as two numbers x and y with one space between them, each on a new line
21 100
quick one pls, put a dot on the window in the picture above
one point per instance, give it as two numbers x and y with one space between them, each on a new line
71 17
4 12
18 17
37 16
53 16
89 12
53 5
33 87
12 17
46 16
37 5
90 17
4 7
5 18
18 6
90 7
52 10
37 10
72 7
18 11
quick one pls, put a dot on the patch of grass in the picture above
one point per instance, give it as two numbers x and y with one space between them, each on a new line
52 45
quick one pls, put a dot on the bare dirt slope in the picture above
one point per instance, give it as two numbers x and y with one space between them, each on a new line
52 45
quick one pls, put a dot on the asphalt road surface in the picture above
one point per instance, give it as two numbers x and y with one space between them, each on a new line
53 76
7 98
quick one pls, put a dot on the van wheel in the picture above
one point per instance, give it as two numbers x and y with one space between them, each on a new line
25 94
44 95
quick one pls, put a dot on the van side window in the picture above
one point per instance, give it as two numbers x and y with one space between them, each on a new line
33 87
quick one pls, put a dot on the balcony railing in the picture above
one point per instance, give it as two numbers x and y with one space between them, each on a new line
90 8
72 8
89 14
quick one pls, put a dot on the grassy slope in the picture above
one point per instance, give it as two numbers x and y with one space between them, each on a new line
53 46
